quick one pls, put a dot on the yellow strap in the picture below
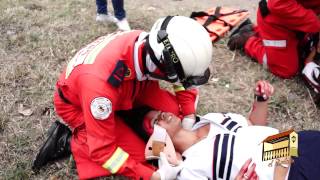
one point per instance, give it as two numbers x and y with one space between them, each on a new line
114 163
178 88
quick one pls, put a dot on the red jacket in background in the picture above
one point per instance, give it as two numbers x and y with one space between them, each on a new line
275 45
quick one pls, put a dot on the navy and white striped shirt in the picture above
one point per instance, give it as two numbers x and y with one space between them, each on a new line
230 142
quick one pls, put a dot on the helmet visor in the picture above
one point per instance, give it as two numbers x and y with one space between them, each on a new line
196 80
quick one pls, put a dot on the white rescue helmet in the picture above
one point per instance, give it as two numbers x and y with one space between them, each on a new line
182 49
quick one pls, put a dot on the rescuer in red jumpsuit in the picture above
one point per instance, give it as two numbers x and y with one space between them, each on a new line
118 72
274 42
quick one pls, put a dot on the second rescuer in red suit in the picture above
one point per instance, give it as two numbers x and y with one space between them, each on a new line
104 77
275 44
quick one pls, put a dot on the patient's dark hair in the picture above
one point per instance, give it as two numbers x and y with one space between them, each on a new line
134 119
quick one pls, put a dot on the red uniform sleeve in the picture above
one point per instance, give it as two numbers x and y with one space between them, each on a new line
136 170
98 101
294 16
187 99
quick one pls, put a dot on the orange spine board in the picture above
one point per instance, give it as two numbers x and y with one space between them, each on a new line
218 27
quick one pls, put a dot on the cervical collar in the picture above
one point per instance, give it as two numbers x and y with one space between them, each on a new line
158 142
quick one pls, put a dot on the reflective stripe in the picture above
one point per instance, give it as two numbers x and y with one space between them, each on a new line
88 54
91 57
116 161
274 43
82 56
178 88
265 61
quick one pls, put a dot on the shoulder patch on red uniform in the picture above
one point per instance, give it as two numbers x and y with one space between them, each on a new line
118 74
101 108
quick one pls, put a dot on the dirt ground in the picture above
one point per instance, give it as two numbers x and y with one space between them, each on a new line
38 37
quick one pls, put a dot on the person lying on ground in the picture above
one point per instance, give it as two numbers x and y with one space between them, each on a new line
219 144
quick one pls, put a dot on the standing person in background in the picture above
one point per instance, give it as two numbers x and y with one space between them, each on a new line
281 25
119 14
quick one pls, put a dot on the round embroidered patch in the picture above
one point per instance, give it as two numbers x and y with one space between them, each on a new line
101 108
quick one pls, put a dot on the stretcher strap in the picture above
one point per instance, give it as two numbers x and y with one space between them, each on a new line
212 32
213 17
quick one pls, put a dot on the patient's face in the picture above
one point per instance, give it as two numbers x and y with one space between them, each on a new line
170 122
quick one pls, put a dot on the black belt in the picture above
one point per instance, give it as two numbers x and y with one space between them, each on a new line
63 97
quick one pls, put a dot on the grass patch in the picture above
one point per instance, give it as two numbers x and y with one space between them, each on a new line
39 37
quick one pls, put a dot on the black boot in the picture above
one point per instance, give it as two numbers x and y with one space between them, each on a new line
57 146
239 39
246 23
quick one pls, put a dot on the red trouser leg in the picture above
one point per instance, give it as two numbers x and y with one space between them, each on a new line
277 52
126 139
255 49
282 62
85 167
129 141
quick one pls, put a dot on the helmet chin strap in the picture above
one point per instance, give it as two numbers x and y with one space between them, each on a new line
151 68
151 64
145 68
139 55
